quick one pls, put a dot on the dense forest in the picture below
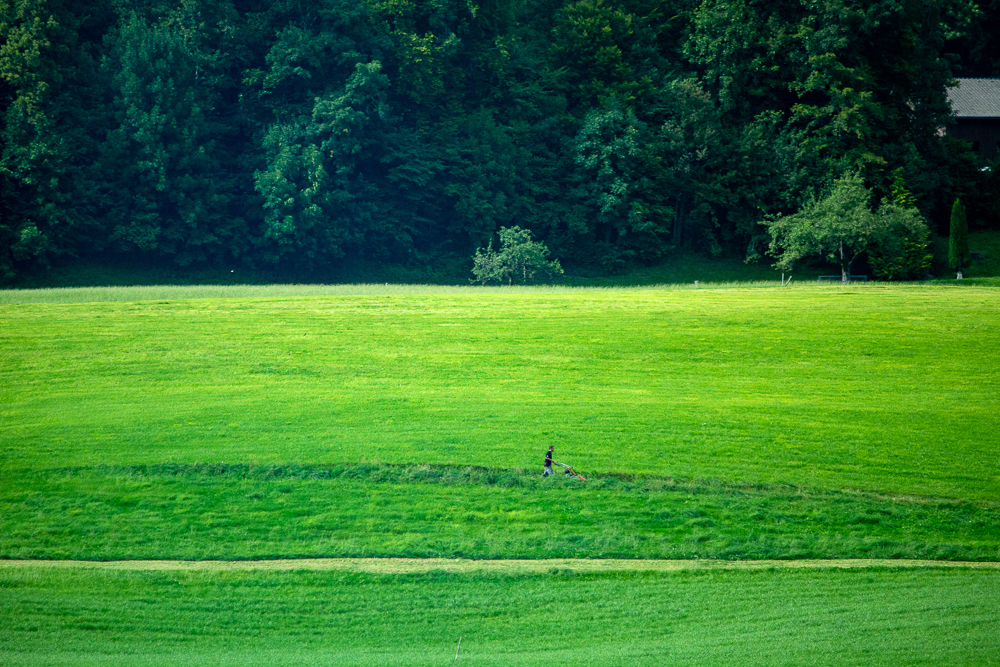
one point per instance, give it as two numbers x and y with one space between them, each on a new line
302 134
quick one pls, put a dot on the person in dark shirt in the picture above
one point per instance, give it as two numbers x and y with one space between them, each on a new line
548 462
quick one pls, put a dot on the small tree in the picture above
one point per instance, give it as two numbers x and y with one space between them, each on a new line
487 266
840 227
520 260
958 239
903 254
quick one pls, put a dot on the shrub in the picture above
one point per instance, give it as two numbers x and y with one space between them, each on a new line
520 260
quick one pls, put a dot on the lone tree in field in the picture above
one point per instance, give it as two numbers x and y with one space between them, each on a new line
958 239
520 260
840 227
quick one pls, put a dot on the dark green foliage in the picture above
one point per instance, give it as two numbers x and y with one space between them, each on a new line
335 134
173 188
50 121
908 260
904 254
958 238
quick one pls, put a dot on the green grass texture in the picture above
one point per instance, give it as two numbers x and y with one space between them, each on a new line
727 422
286 512
889 389
774 617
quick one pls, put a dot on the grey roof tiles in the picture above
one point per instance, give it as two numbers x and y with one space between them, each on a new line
975 98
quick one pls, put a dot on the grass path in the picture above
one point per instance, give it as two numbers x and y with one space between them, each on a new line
461 565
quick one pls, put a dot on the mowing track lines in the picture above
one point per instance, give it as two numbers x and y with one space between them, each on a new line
417 565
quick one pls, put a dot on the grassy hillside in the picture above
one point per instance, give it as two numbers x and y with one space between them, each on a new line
890 389
985 250
682 268
746 422
728 423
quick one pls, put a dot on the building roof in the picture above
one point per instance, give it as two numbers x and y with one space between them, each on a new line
975 98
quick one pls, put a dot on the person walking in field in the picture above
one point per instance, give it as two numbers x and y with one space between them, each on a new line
548 462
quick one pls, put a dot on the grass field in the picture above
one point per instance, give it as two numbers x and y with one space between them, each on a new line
864 617
723 422
878 388
240 512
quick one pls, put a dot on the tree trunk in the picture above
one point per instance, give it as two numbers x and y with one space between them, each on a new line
845 268
678 220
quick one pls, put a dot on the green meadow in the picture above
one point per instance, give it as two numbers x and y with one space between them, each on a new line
890 389
727 422
750 422
243 512
775 617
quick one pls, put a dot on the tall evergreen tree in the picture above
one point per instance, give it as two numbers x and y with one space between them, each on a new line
958 239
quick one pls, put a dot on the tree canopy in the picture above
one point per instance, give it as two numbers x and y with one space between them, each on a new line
271 133
520 260
841 226
958 238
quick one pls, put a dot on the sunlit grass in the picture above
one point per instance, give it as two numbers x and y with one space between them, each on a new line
883 388
178 292
712 421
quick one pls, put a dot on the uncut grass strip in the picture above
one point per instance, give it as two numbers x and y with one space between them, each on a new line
201 512
475 475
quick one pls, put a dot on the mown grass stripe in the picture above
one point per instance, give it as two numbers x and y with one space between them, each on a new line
778 616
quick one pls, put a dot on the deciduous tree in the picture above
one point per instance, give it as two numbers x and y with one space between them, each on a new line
520 260
902 254
841 226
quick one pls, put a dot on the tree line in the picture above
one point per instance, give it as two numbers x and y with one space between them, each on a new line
304 134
